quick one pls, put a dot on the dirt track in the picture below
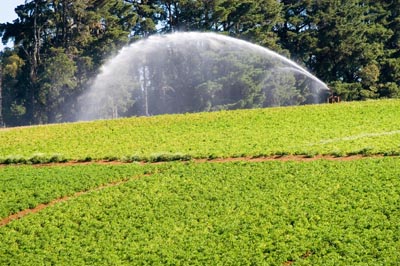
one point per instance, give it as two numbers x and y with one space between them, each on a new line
38 208
284 158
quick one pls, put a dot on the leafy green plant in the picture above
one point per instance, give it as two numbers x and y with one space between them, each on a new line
23 187
169 157
272 213
365 128
38 158
13 159
57 158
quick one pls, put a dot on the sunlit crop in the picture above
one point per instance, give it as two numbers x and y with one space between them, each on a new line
313 213
343 129
200 212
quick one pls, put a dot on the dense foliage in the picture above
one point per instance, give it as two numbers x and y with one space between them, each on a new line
26 187
194 72
61 44
275 213
370 127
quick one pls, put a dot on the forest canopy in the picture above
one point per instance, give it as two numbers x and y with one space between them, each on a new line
60 45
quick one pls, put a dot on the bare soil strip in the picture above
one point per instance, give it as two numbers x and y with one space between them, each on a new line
298 158
40 207
282 158
286 158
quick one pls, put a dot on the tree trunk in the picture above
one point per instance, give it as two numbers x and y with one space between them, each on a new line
34 63
1 98
146 96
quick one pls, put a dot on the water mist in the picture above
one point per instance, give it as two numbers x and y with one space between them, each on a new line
196 72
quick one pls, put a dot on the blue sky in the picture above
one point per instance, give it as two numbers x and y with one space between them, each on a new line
7 13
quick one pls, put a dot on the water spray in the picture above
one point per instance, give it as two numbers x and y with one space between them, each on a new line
203 71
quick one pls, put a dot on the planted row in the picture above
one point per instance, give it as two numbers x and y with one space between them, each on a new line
26 187
343 129
273 213
59 158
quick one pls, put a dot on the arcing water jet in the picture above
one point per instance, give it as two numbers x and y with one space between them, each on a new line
195 72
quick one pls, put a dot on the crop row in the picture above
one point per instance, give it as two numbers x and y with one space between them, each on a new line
344 129
26 187
272 213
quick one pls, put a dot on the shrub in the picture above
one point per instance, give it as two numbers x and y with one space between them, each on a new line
85 159
57 158
13 159
168 157
38 158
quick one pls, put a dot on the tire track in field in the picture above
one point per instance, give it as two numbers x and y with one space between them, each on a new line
38 208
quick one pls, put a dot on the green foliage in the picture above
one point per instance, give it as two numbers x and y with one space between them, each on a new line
168 157
36 158
24 187
347 91
343 42
57 81
11 65
342 129
13 159
61 44
314 213
352 45
274 213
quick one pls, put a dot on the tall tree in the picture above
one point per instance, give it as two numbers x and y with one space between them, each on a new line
1 94
14 94
251 20
340 41
69 35
57 84
60 45
148 15
387 15
28 32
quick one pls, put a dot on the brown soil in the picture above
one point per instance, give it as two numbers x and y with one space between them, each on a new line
288 263
40 207
291 262
285 158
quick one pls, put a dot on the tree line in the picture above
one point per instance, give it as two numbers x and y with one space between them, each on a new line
60 45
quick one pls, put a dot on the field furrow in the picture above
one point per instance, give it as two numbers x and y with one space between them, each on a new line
309 185
306 213
364 128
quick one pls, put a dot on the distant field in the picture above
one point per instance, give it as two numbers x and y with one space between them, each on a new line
272 213
365 128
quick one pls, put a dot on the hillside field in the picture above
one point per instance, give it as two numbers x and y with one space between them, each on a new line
199 212
349 128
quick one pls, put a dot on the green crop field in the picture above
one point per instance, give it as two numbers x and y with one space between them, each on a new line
317 212
350 128
308 213
26 187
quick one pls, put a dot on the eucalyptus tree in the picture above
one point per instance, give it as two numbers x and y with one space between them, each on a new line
63 43
1 95
12 93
